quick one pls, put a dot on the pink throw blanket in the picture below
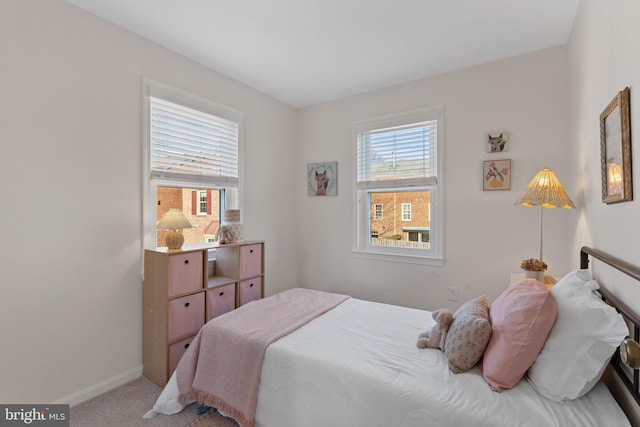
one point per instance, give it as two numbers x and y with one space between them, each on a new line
223 364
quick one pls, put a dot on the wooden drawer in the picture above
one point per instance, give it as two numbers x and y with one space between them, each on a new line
186 315
250 290
176 350
250 260
185 272
221 300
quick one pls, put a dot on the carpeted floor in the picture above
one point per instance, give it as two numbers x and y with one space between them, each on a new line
125 406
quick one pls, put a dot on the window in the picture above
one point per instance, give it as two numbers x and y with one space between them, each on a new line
417 234
192 161
406 211
192 144
202 202
378 209
201 207
398 164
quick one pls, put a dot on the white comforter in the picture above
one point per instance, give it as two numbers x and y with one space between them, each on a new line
358 365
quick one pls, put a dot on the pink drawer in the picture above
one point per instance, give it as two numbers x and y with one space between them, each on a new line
176 350
186 315
185 272
221 300
250 290
250 260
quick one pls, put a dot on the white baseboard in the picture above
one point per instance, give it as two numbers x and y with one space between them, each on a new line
101 387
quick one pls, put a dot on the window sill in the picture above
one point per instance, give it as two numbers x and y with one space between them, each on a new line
393 257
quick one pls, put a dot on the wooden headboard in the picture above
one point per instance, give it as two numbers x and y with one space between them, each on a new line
630 377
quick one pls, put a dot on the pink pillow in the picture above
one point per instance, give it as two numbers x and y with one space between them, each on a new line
521 318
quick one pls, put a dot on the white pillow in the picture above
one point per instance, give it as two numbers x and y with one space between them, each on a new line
583 339
576 281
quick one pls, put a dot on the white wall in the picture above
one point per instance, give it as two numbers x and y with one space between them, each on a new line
602 60
486 236
71 193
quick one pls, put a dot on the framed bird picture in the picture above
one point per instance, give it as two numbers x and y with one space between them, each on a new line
496 175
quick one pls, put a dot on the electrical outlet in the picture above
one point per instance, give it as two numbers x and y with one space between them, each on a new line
453 293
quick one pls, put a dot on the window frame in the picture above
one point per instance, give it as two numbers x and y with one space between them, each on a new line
199 210
232 192
361 247
378 212
406 212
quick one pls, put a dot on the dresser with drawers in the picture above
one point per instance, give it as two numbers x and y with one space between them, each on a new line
186 288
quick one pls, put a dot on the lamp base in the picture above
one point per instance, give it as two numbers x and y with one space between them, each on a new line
174 240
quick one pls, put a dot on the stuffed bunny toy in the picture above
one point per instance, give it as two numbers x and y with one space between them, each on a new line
435 335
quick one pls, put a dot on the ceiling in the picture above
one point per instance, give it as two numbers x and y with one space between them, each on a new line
305 52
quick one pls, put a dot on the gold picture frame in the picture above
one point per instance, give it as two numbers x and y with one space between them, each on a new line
615 150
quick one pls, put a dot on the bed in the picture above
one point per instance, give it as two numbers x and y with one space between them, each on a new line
357 364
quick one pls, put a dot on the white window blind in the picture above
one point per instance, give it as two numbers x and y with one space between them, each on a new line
193 144
401 155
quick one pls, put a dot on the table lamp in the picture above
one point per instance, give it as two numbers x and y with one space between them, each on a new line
174 220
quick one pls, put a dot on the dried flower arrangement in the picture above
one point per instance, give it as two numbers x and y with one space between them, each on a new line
533 264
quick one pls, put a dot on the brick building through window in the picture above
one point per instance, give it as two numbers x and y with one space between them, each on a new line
201 207
401 216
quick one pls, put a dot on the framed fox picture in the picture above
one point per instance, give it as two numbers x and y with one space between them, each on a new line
322 179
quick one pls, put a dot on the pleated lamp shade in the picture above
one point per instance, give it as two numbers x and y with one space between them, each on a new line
545 190
174 220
